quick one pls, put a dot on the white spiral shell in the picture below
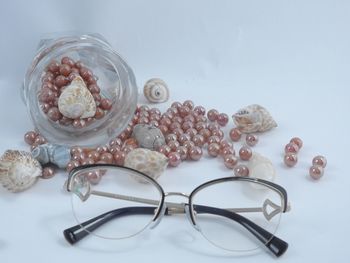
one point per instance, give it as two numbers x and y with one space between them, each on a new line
18 170
156 90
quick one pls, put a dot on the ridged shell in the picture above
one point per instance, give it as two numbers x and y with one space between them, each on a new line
76 101
146 161
156 90
261 167
254 118
148 136
18 170
52 153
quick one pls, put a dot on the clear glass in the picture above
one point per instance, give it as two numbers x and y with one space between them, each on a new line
115 78
256 202
119 189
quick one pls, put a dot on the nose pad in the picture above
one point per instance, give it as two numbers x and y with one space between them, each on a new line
161 214
188 215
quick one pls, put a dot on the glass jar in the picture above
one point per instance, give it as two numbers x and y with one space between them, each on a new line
92 60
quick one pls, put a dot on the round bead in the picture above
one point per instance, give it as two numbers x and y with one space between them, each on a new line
164 129
71 165
198 140
212 115
94 177
187 125
195 153
189 118
205 133
319 161
183 111
213 126
199 110
99 113
174 159
200 125
230 161
94 88
39 140
170 137
316 172
184 137
106 104
176 105
235 134
251 139
68 61
60 81
189 104
76 150
102 149
223 144
213 139
213 149
54 114
65 70
191 132
178 132
182 150
94 155
189 144
227 150
30 137
297 141
241 170
245 153
164 149
119 158
290 159
48 172
173 145
174 125
54 67
87 161
222 119
291 148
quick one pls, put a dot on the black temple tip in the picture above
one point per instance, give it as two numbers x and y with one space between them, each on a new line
277 246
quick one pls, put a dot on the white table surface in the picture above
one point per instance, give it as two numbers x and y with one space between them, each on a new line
290 56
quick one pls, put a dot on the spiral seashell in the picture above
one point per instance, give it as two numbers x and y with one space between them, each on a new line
76 101
148 136
18 170
156 90
52 153
146 161
254 118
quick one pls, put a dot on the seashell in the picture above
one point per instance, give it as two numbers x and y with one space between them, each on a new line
254 118
261 167
52 153
148 136
76 101
146 161
156 90
18 170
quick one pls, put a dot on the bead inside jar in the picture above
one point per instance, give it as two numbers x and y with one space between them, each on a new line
79 91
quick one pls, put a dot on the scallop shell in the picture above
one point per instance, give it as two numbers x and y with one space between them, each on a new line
254 118
156 90
18 170
52 153
261 167
146 161
76 101
148 136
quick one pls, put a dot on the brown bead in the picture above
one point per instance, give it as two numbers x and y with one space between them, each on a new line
245 153
195 153
99 113
164 149
183 151
39 140
76 150
119 158
94 88
316 172
230 161
87 161
30 137
106 157
65 70
297 141
213 149
290 159
48 172
212 115
54 67
320 161
241 170
213 139
85 73
251 139
71 165
227 150
189 104
60 81
106 104
94 155
205 133
68 61
291 148
235 134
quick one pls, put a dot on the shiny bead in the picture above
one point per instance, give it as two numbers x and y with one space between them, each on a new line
189 104
245 153
99 113
225 144
168 115
174 159
230 161
187 125
114 149
198 140
87 161
212 115
68 61
251 139
178 132
195 153
102 149
189 118
170 137
30 137
316 172
173 145
143 120
60 81
319 161
119 158
165 121
222 119
200 110
94 155
189 144
39 140
200 125
48 172
154 111
214 139
201 118
213 126
54 67
290 159
226 151
182 150
297 141
291 148
192 132
164 149
241 170
54 114
235 134
71 165
94 177
213 149
184 137
94 88
65 70
205 133
106 157
178 119
164 129
128 148
176 105
76 150
183 111
174 125
85 73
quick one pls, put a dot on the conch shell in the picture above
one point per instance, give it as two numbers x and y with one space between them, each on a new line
146 161
254 118
18 170
52 153
261 167
148 136
156 90
76 101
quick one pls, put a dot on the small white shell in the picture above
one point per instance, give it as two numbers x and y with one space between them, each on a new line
146 161
18 170
254 118
261 167
76 101
156 90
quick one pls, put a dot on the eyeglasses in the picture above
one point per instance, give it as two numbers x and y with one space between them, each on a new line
233 213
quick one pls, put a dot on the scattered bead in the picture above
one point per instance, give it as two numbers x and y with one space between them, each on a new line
241 170
230 161
30 137
291 148
222 119
174 159
290 159
235 134
212 115
195 153
245 153
48 172
213 149
251 139
297 141
319 161
316 172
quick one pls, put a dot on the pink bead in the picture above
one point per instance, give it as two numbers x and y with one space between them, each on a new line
319 161
106 157
189 104
183 111
168 115
39 140
187 125
173 145
213 126
235 134
297 141
214 139
174 159
164 129
189 144
241 170
201 118
154 111
119 158
45 107
79 123
170 137
213 149
230 161
205 133
316 172
199 110
195 153
94 88
225 144
99 113
143 120
291 148
94 155
154 117
222 119
178 132
200 125
189 118
48 172
226 151
174 125
192 132
94 177
212 115
198 140
178 119
245 153
106 104
68 61
54 67
176 105
128 148
65 70
60 81
182 150
46 95
102 149
71 165
164 149
54 114
165 121
184 137
30 137
218 133
290 159
76 150
251 139
65 121
87 161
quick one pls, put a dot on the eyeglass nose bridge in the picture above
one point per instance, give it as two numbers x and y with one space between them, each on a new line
170 208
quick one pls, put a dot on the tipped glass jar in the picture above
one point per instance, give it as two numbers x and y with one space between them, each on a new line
79 91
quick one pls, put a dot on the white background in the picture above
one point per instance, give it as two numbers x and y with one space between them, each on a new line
290 56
